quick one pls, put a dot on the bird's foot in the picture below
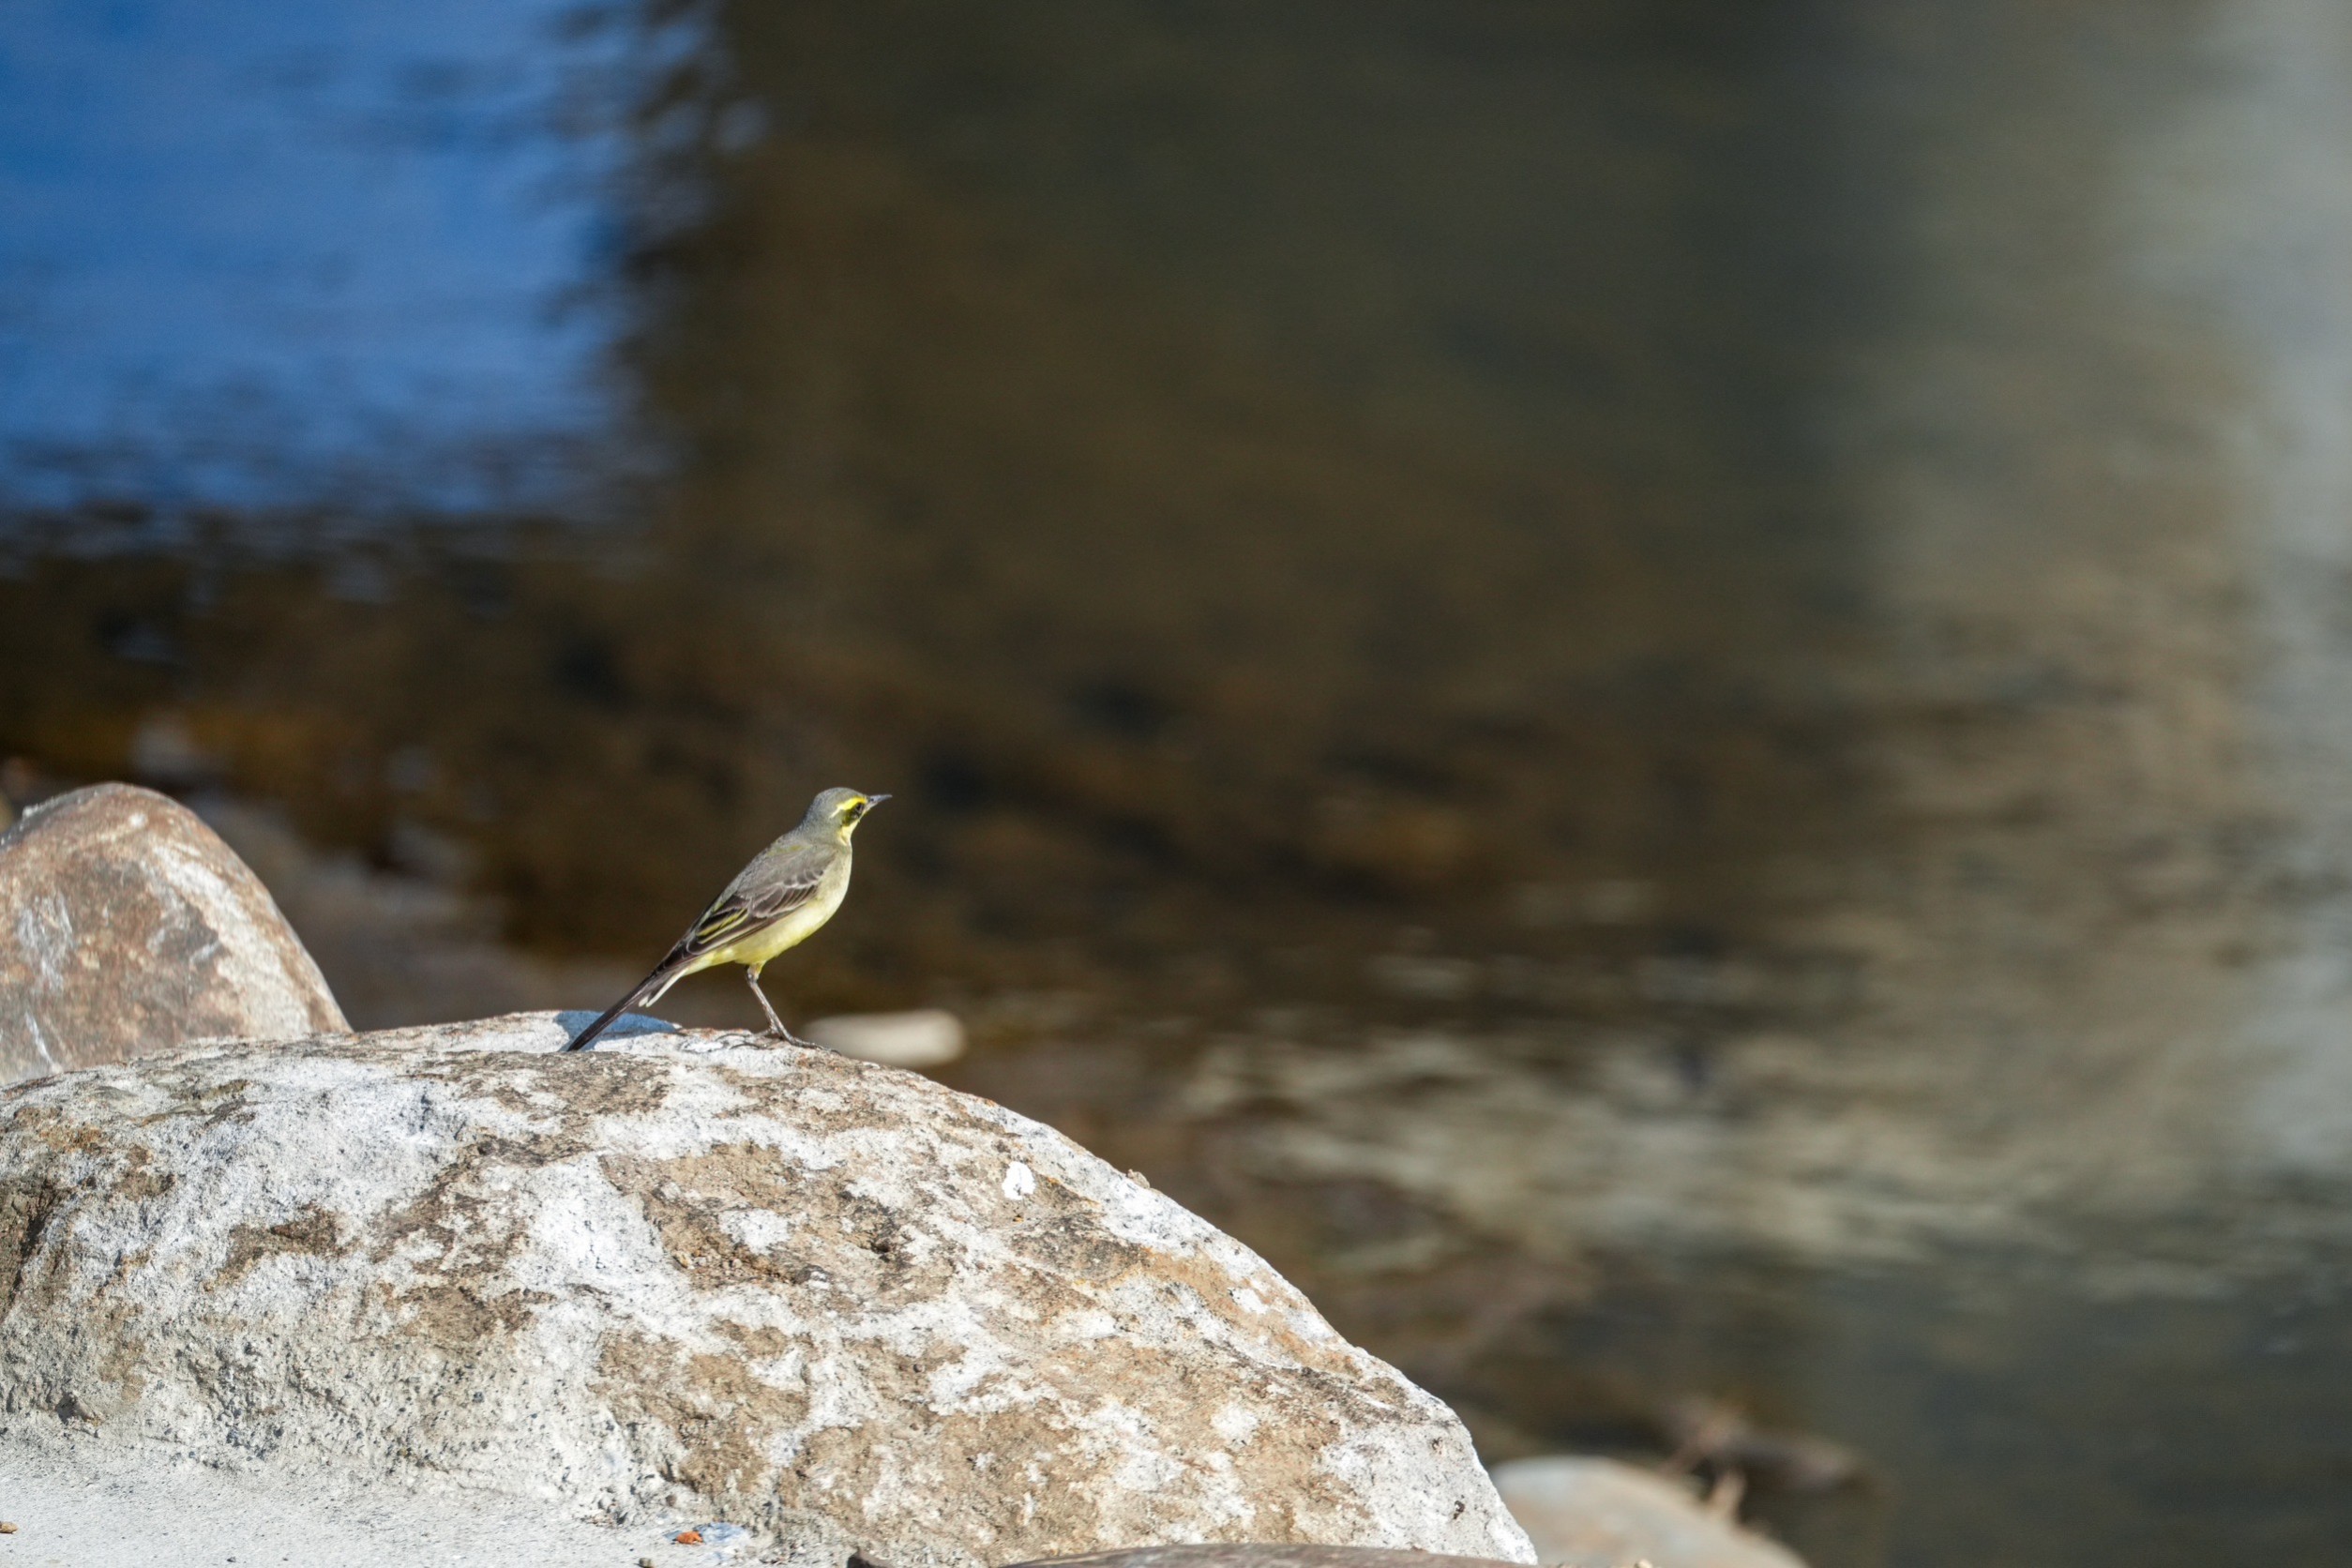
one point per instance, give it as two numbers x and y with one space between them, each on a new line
780 1033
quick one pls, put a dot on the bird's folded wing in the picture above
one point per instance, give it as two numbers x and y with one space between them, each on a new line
742 911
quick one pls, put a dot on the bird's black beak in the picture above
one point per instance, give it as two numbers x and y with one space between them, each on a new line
872 801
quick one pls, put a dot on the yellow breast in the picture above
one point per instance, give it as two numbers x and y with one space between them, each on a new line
794 928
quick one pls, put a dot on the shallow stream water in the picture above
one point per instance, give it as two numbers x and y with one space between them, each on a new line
1658 689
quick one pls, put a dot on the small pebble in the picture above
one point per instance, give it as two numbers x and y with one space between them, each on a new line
688 1538
6 1529
644 1562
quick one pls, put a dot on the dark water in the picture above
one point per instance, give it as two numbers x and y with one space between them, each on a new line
1657 688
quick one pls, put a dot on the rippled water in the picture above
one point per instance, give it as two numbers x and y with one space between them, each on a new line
1657 688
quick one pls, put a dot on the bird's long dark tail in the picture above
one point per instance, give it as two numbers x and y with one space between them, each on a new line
647 988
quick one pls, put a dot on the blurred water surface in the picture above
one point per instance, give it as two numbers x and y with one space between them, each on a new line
260 255
1659 688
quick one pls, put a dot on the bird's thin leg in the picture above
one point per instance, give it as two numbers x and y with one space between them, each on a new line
775 1025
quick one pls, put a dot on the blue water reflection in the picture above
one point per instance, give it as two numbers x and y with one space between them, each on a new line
266 254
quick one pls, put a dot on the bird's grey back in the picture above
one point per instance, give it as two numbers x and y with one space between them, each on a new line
798 856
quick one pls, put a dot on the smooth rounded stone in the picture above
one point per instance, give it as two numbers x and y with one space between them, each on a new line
127 928
929 1037
684 1275
1599 1514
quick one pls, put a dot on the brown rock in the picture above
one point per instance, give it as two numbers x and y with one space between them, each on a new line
127 928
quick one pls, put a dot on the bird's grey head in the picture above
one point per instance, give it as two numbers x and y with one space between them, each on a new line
841 809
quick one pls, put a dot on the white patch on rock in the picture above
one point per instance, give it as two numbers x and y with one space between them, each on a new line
759 1229
1235 1424
1020 1180
34 1032
1086 1325
44 929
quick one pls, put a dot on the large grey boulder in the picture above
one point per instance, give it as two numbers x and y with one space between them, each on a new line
684 1277
126 926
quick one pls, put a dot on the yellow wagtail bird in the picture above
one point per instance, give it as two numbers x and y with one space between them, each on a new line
777 902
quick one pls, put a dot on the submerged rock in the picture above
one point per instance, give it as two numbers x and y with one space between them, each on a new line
926 1039
126 926
832 1302
1599 1514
